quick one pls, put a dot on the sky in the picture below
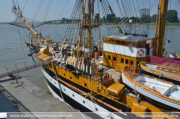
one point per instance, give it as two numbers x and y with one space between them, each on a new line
64 8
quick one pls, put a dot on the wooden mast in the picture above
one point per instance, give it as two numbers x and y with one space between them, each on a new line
80 36
89 23
161 27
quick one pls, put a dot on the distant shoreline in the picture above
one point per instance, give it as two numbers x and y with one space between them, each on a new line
150 25
167 26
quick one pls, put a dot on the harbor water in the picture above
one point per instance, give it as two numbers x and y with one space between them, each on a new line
14 57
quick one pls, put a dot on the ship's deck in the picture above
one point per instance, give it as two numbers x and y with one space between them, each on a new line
115 75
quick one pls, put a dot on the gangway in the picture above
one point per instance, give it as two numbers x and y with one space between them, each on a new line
22 69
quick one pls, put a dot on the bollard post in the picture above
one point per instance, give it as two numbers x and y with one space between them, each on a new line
16 79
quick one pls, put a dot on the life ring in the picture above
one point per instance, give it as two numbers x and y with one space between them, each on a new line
106 76
141 51
98 73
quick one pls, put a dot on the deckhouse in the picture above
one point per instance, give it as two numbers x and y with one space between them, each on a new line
122 51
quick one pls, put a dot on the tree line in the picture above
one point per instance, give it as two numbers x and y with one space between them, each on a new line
172 17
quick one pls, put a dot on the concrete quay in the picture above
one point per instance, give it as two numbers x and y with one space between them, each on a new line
26 98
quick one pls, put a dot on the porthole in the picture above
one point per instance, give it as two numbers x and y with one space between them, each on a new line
64 74
173 71
54 82
70 77
83 101
64 89
96 109
166 69
85 84
73 95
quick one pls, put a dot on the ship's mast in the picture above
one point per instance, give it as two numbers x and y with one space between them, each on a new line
90 2
161 27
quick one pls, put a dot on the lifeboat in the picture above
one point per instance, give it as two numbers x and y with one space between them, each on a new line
165 93
166 71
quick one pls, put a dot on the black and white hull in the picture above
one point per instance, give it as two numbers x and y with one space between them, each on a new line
76 100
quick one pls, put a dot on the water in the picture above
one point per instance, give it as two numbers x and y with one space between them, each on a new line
11 36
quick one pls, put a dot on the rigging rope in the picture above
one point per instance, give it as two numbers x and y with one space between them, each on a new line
73 27
19 33
120 9
37 10
13 47
46 12
53 26
25 5
123 22
12 60
46 61
108 20
136 16
21 43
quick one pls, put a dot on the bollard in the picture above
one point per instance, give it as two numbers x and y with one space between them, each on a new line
16 79
18 82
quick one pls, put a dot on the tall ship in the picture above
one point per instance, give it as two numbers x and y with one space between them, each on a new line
75 75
